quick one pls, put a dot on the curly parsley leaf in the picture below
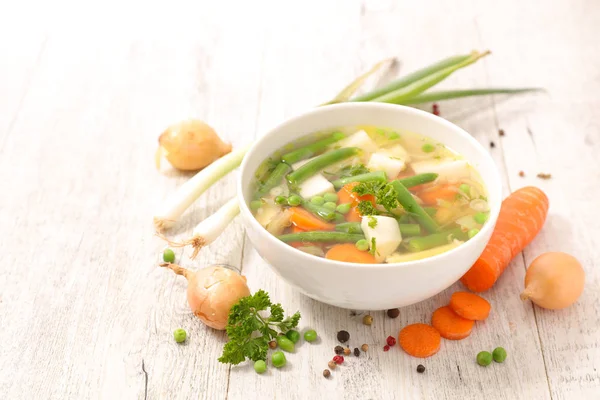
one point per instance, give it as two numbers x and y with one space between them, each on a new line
372 222
366 208
352 170
384 193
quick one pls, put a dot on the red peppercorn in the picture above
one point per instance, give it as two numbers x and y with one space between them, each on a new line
391 341
386 348
436 109
338 359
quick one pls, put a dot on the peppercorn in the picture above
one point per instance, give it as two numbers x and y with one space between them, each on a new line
272 344
367 320
492 145
521 174
343 336
364 347
331 364
326 373
356 352
347 351
420 368
393 313
501 132
386 348
436 109
338 359
391 341
338 349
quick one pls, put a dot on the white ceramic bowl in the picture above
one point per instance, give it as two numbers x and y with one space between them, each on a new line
368 286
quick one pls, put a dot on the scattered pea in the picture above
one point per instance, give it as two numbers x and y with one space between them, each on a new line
367 319
330 205
466 189
260 366
472 232
281 200
484 358
294 200
255 205
499 354
293 335
286 344
330 197
180 335
364 347
310 335
428 148
331 364
480 217
168 256
343 208
318 200
278 359
362 245
326 373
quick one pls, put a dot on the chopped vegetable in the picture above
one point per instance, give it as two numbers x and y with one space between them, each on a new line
255 205
499 354
315 165
421 243
522 215
418 179
383 233
311 149
212 292
470 306
168 256
321 236
443 192
407 201
179 335
349 227
250 331
554 281
305 220
451 325
410 229
419 340
378 176
348 252
484 358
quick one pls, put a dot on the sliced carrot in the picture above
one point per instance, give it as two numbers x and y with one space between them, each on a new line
443 192
353 215
307 221
470 306
346 195
348 252
419 340
521 218
297 229
451 325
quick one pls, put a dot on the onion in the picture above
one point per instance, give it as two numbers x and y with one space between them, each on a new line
212 291
479 205
190 145
554 281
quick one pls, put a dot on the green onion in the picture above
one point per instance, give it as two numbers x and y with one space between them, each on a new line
458 93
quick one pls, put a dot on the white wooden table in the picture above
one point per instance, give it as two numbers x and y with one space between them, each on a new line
86 313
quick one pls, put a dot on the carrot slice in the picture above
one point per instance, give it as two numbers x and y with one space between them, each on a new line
444 192
419 340
346 195
353 215
470 306
451 325
308 222
521 218
348 252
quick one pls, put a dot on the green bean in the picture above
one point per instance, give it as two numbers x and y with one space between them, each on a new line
274 179
323 212
378 176
410 78
455 94
421 243
349 227
310 150
407 201
418 179
404 219
321 236
318 163
410 229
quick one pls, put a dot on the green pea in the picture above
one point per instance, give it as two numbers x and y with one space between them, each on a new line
318 200
180 335
480 217
310 335
499 354
285 343
472 232
278 359
281 200
294 200
330 205
428 148
293 335
466 189
484 358
343 208
362 245
331 197
255 205
168 256
260 366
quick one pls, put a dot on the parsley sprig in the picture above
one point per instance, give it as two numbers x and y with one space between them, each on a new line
385 195
249 331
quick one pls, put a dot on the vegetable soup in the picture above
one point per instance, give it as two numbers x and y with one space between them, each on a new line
369 195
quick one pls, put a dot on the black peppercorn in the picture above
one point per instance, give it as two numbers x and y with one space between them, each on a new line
343 336
393 313
420 368
501 132
326 373
338 349
492 145
356 352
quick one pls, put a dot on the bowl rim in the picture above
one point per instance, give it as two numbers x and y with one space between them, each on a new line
248 218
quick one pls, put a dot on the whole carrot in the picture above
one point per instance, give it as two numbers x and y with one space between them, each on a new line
522 215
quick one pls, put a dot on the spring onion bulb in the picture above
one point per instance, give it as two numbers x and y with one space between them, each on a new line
176 205
209 229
